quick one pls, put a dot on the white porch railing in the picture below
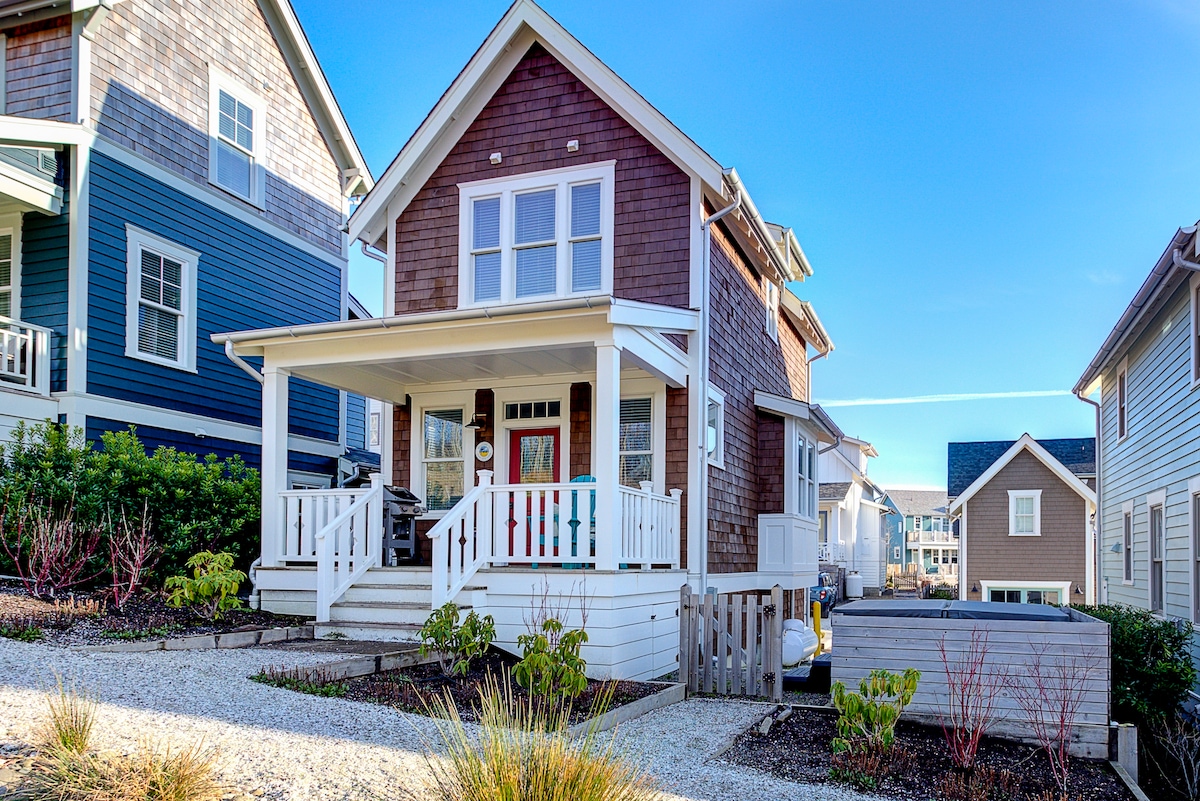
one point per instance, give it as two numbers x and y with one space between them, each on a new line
831 552
306 512
347 546
24 356
544 525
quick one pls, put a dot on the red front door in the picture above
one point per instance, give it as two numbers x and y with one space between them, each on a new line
533 456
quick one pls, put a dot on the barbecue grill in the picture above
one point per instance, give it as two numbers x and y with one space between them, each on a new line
400 510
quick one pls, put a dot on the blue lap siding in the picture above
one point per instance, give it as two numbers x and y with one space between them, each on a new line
356 421
44 284
246 279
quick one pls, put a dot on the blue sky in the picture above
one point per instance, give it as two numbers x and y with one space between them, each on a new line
980 187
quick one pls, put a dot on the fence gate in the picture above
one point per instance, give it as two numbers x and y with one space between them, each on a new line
732 644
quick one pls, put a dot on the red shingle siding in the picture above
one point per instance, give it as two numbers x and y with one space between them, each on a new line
38 70
770 464
677 458
530 119
581 429
744 358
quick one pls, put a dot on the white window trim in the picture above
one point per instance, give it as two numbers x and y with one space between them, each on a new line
1193 552
772 297
503 428
717 457
218 80
11 226
135 240
305 479
1193 289
1122 404
1063 587
1013 495
439 401
374 429
505 189
1155 500
1127 510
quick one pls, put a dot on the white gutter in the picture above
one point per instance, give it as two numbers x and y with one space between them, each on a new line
1179 261
366 251
702 381
759 224
247 368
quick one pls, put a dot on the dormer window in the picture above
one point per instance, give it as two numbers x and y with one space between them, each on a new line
536 236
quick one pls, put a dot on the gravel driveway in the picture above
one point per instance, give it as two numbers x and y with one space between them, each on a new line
293 746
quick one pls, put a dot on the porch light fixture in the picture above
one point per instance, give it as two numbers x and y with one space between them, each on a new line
974 588
496 158
1078 591
477 421
1116 547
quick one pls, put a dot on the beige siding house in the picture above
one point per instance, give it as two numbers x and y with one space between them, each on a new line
1025 520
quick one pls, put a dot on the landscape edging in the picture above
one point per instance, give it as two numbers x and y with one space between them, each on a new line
1128 780
672 693
204 642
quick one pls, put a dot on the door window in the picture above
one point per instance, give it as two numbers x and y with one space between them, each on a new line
533 456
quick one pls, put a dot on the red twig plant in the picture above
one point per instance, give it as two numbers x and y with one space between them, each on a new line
1050 695
972 687
50 550
132 554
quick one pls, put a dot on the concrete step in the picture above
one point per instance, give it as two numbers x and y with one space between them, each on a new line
409 612
367 631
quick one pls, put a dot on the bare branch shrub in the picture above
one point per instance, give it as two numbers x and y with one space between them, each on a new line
132 554
972 687
1179 741
52 550
544 606
1050 696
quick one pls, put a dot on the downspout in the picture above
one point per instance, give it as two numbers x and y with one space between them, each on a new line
366 251
247 368
1097 527
808 370
702 382
1179 261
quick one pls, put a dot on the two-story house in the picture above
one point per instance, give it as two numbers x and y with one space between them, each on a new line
1147 373
851 532
1024 511
168 171
591 370
923 539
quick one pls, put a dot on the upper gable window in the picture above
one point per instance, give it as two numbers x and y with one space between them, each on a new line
1024 513
236 123
536 236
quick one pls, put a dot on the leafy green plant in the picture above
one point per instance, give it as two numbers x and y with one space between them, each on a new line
456 645
213 587
1152 668
316 683
22 629
867 719
550 665
150 632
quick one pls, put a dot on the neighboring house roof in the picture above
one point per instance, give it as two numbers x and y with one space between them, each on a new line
968 460
357 310
835 491
920 502
1173 267
1038 449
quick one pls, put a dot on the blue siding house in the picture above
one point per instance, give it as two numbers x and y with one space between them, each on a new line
162 180
1147 377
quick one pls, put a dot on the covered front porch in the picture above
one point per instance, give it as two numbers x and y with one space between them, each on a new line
537 438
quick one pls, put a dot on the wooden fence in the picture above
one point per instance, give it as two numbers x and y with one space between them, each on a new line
732 644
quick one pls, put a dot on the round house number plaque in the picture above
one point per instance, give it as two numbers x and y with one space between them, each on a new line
484 451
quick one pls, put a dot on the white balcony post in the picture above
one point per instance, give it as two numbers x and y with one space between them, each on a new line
485 528
274 462
607 455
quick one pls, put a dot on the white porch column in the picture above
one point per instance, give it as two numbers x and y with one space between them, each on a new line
607 455
274 461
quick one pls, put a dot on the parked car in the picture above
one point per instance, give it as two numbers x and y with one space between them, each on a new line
824 591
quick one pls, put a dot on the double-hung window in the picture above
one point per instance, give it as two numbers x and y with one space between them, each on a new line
160 322
1195 501
236 127
536 236
1127 546
772 301
442 458
806 476
1024 513
636 439
715 428
8 277
1122 403
1157 547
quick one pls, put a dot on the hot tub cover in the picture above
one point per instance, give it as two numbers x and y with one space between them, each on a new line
905 608
986 610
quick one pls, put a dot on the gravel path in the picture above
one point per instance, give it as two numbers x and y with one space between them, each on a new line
293 746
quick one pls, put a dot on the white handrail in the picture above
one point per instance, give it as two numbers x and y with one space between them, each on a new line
458 549
348 546
24 356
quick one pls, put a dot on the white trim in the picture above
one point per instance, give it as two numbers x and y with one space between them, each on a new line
387 453
1028 443
506 189
1127 511
438 401
137 240
1013 497
1156 500
524 24
10 225
77 273
772 307
220 81
501 427
1121 389
1063 587
1194 332
306 479
78 406
217 199
1193 551
716 457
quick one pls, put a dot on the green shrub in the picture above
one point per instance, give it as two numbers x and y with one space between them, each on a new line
551 666
1152 668
319 682
867 718
212 588
456 645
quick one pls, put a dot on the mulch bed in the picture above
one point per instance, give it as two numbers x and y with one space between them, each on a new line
799 750
87 619
411 689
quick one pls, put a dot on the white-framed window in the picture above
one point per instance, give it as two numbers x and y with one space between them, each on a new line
536 236
895 552
1122 402
771 291
160 302
636 441
304 480
236 128
1025 595
1127 543
806 476
373 429
823 528
715 428
443 456
1024 513
1157 529
1194 508
10 274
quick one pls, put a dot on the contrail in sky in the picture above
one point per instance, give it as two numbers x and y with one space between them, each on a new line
947 398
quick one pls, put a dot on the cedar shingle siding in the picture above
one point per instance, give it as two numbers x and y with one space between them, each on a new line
1059 554
37 70
530 119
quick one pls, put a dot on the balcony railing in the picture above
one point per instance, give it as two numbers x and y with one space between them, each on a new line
831 553
932 537
24 357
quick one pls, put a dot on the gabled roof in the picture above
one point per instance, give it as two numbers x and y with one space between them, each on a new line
1078 451
920 502
1169 272
835 491
804 317
966 461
